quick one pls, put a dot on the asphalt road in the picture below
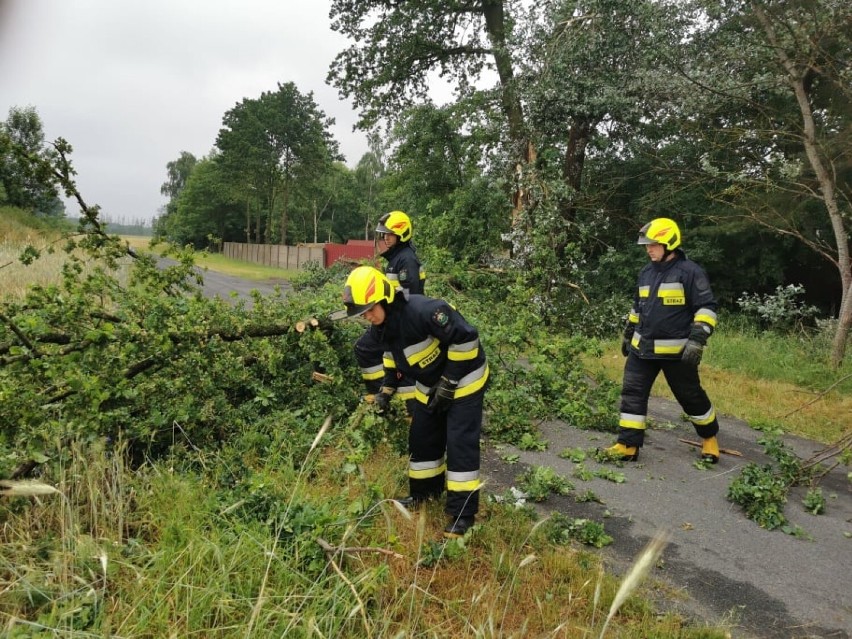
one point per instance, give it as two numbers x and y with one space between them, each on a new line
719 567
221 285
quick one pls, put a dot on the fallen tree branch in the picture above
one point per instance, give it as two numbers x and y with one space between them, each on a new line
818 397
329 549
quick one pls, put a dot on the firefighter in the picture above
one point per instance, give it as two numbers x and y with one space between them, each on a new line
673 314
428 341
393 243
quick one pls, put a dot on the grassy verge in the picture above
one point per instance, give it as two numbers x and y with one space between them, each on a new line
219 263
167 551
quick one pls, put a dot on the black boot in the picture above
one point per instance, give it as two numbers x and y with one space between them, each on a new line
410 502
458 526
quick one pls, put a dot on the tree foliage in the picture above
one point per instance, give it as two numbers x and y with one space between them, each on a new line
21 184
275 145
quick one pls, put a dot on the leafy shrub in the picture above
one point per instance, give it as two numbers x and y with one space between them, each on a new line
561 529
782 311
762 490
539 481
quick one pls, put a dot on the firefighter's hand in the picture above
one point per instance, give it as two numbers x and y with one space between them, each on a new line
383 397
442 395
626 339
692 353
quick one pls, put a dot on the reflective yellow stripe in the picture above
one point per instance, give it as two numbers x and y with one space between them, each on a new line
644 291
463 486
426 470
405 392
706 418
421 350
705 315
668 346
387 360
472 382
672 294
628 420
421 393
633 317
371 376
463 352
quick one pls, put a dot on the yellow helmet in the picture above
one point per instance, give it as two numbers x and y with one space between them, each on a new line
365 287
396 223
660 231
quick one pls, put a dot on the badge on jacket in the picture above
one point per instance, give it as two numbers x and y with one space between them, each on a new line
440 317
403 275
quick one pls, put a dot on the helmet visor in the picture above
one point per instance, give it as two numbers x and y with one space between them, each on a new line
357 310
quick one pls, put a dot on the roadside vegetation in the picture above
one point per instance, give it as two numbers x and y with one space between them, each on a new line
191 467
260 505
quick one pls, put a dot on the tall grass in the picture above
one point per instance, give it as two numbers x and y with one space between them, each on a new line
164 552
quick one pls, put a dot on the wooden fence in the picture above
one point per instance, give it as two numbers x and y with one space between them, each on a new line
296 257
276 255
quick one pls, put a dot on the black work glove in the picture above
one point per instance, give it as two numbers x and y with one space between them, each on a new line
694 348
442 395
627 338
383 397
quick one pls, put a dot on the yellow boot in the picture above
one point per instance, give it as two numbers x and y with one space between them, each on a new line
620 452
710 450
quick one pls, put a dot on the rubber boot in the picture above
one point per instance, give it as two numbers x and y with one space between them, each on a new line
458 526
409 502
620 452
710 450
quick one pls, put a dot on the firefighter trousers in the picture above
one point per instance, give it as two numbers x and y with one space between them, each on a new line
683 379
454 433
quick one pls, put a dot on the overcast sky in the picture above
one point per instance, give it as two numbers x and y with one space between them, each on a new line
132 83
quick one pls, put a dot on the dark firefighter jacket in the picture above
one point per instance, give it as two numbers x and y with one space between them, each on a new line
670 298
403 268
426 338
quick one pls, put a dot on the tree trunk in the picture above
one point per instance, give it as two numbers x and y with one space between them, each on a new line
825 178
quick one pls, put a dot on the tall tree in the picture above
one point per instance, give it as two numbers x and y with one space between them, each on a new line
277 143
22 152
398 48
788 66
178 172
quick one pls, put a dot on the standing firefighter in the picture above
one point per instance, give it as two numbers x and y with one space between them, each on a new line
393 243
429 342
674 312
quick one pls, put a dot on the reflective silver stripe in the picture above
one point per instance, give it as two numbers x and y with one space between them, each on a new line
706 418
387 360
629 420
670 286
421 393
465 476
705 315
369 370
421 350
462 352
392 277
426 465
669 346
472 377
407 390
